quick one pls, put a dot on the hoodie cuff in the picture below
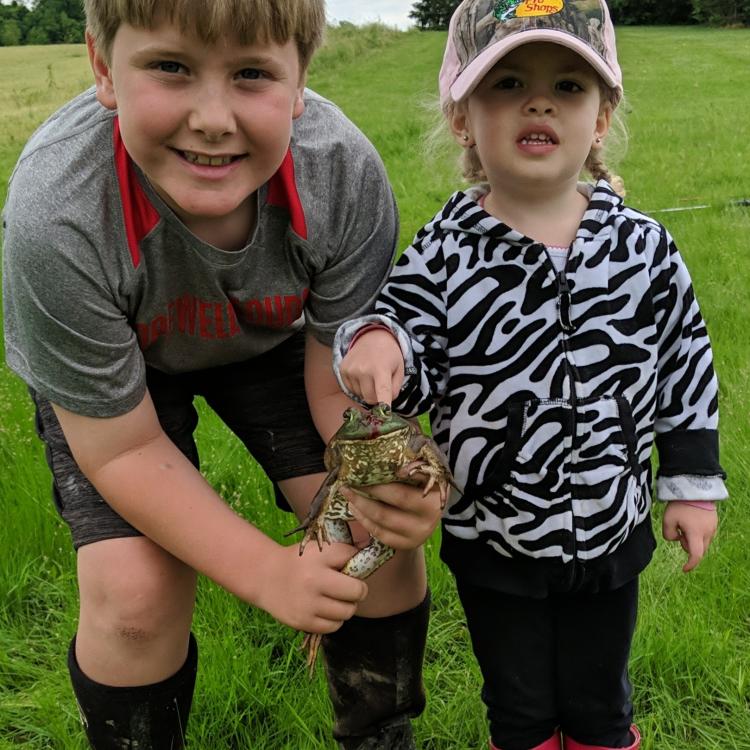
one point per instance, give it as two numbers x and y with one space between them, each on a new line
691 487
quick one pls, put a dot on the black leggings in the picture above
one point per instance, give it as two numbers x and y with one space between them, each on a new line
561 662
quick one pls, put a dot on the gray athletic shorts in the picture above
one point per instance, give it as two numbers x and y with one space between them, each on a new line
261 400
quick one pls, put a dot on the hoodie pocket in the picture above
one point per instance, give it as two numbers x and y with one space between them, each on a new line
565 485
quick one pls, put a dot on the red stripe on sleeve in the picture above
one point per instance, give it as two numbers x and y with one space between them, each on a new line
282 192
140 216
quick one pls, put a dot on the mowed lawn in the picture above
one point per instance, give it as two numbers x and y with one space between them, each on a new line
688 109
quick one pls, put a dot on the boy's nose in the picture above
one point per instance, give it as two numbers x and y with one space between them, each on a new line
212 116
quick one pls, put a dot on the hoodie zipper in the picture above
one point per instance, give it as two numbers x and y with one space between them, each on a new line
564 305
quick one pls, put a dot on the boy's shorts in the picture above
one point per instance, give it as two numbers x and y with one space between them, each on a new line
262 400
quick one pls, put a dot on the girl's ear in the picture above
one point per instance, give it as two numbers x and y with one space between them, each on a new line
603 121
461 127
105 90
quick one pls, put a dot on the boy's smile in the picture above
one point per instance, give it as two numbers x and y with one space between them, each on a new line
207 124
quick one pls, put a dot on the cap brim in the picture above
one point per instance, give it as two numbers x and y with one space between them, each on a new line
468 80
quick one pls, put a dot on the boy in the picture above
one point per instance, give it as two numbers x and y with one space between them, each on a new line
200 224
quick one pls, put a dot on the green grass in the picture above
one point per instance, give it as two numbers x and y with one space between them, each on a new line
691 657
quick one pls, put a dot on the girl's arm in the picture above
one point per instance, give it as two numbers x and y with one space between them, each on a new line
687 436
408 361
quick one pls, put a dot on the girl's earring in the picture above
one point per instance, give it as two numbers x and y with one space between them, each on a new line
465 137
598 140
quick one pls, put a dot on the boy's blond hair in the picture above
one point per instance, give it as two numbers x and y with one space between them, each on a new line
249 21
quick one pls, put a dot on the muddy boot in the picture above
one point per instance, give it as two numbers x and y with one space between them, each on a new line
374 668
150 717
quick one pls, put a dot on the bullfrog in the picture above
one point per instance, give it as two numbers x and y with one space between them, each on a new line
371 447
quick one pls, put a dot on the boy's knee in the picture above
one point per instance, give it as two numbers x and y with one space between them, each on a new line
135 609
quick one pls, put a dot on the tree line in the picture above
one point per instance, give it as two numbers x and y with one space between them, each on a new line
46 22
62 21
435 14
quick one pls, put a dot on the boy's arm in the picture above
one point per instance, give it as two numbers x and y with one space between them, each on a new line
150 483
404 519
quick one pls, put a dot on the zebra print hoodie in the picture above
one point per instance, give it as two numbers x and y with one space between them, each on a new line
546 389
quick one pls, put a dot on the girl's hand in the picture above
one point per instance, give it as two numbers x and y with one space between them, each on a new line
401 517
693 528
373 368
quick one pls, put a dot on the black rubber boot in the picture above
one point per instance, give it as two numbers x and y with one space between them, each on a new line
374 668
151 717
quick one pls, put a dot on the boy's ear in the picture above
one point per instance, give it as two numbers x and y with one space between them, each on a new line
105 90
299 101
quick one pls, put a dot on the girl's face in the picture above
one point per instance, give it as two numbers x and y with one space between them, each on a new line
534 119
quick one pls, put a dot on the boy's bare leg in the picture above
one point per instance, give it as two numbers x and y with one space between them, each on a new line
136 607
133 661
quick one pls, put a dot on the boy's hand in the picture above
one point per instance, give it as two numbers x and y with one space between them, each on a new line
373 368
308 592
402 517
694 528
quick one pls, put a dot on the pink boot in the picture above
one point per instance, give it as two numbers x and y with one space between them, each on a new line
571 744
553 743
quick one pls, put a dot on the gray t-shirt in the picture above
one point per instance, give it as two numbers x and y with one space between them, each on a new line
101 278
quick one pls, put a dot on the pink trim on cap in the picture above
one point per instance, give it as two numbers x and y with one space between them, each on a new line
455 85
483 63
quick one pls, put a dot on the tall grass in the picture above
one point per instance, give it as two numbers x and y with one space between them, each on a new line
691 657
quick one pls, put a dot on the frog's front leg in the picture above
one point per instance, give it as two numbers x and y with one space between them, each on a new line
430 461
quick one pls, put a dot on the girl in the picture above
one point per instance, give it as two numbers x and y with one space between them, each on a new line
553 333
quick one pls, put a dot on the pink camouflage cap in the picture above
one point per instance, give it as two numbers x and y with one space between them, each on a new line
483 31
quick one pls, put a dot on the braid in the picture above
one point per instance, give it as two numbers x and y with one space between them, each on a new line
599 171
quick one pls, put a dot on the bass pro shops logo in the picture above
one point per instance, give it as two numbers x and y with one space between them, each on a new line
506 9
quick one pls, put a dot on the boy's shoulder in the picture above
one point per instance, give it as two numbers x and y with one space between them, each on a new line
57 163
82 119
335 164
326 141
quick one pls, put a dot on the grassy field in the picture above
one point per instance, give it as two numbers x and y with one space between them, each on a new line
688 109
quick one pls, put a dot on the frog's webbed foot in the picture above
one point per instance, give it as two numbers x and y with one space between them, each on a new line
435 474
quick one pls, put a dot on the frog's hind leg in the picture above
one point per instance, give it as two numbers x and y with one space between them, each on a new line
311 644
368 559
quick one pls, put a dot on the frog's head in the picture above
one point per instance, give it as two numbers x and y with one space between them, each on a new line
355 425
366 426
383 421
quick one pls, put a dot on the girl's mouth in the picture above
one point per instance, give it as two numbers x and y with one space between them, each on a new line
538 139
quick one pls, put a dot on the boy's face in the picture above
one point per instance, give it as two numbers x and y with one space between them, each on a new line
535 117
207 124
